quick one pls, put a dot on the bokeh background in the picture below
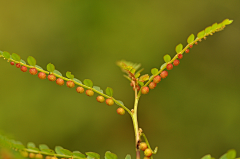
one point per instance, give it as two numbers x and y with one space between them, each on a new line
193 112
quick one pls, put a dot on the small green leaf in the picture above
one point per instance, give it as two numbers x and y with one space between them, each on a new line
179 48
78 154
31 60
66 152
93 155
190 39
109 155
6 55
167 58
1 52
88 82
201 34
18 145
77 80
109 91
227 22
208 29
58 150
154 71
128 157
206 157
43 146
49 151
137 75
214 26
155 150
119 102
231 154
132 70
144 77
141 83
69 75
57 72
22 61
38 67
16 57
98 89
163 65
50 67
31 145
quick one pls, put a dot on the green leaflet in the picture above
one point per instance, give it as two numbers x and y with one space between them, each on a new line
201 34
6 55
78 154
88 82
179 48
58 150
50 67
93 155
214 26
154 71
31 61
119 102
22 61
38 67
141 83
206 157
98 89
128 157
190 39
57 72
77 80
69 75
109 91
208 29
167 58
109 155
66 152
163 65
16 57
144 77
231 154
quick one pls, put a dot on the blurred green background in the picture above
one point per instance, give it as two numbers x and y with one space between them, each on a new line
193 112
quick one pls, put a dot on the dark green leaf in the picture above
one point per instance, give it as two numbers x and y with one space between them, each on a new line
31 60
57 150
50 67
66 152
43 146
77 80
109 155
141 83
206 157
190 39
69 75
208 29
22 61
98 89
214 26
6 55
231 154
16 57
119 102
93 155
88 82
78 154
57 72
179 48
109 91
163 65
201 34
38 67
128 157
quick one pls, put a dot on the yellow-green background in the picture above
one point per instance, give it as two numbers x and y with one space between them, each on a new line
193 112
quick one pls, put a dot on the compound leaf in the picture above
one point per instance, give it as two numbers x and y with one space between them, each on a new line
50 67
109 91
88 82
31 60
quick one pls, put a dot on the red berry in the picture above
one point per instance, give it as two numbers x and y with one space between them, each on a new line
138 88
51 77
70 84
24 68
89 92
164 74
18 65
120 111
60 81
157 79
187 51
100 99
12 63
145 90
190 46
33 71
143 146
109 101
180 56
169 66
152 85
148 152
80 89
32 155
131 84
176 62
42 75
196 43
